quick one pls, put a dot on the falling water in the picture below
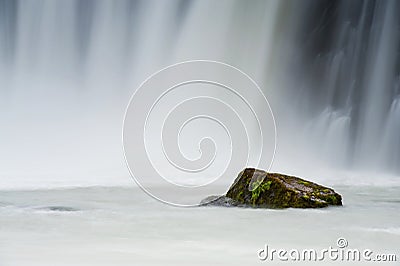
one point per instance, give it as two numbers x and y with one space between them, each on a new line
67 68
346 70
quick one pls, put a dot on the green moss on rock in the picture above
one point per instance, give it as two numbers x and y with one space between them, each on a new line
257 188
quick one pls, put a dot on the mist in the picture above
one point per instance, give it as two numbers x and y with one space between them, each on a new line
330 71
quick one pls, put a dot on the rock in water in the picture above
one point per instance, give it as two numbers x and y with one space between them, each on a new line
259 189
219 201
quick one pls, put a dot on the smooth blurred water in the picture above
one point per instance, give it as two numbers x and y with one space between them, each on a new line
330 70
123 226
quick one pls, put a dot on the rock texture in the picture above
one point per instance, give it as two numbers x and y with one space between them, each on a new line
219 201
259 189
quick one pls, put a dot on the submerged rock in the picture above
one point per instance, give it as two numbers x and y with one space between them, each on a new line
259 189
219 201
59 209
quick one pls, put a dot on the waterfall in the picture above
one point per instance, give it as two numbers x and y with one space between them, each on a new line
67 69
347 69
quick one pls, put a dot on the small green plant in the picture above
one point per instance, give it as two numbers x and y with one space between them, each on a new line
257 188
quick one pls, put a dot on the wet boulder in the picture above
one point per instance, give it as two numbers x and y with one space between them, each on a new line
259 189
